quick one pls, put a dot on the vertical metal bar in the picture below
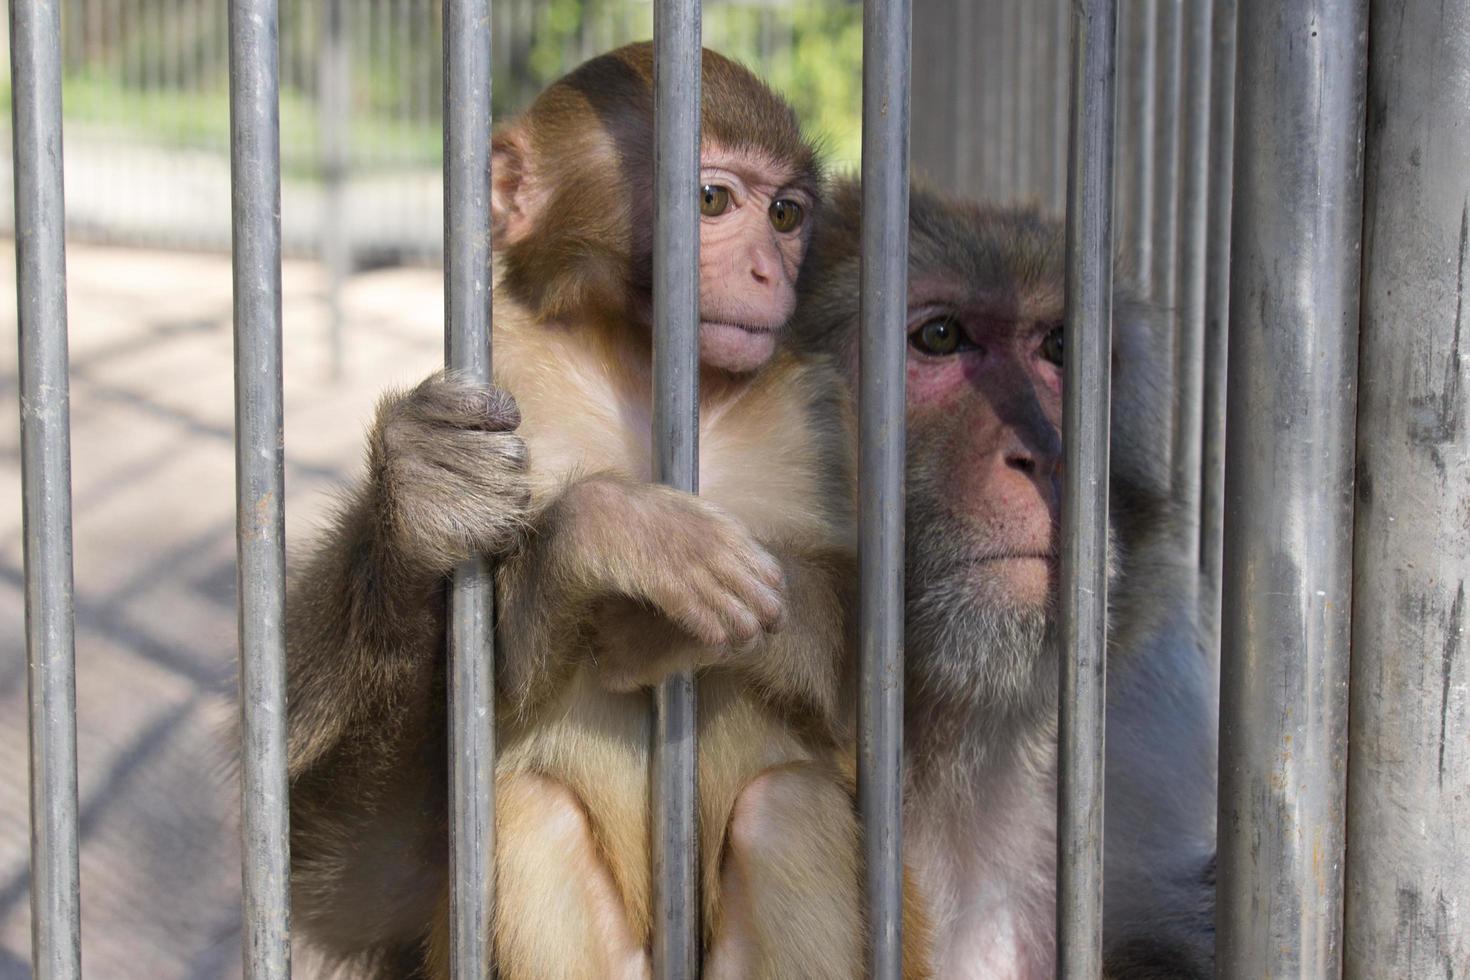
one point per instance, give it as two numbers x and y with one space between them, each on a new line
1061 106
45 436
467 298
1162 273
334 101
1126 69
1217 324
1193 242
255 180
1024 106
1046 81
676 76
1085 424
887 27
1165 189
1408 867
1289 486
1138 162
1004 130
992 93
964 75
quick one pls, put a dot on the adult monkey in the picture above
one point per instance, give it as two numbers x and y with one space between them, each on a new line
606 582
984 460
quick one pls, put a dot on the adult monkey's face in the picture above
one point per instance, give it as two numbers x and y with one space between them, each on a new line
985 345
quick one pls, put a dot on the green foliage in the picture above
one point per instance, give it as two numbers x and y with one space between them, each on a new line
823 77
157 73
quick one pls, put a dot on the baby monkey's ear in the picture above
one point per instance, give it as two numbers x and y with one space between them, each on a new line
513 201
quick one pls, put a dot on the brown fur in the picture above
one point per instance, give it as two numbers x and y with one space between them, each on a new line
605 583
595 240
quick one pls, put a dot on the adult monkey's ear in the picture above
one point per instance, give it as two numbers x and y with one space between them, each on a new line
513 195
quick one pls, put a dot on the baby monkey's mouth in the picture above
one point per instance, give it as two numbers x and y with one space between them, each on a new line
736 345
751 328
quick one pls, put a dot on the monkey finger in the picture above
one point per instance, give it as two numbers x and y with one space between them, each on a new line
702 607
771 571
753 586
766 605
748 609
465 404
482 462
506 450
752 558
699 622
741 624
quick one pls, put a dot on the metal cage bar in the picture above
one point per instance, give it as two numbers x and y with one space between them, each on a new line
1217 323
45 437
676 78
1138 98
1408 874
1289 486
1162 274
1084 537
887 27
467 302
255 182
1190 277
1061 116
334 104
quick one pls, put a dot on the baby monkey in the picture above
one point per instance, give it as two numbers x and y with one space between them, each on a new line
605 581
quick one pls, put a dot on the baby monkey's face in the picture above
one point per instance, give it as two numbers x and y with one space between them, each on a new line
754 229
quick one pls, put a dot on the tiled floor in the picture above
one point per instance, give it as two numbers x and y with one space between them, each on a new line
153 494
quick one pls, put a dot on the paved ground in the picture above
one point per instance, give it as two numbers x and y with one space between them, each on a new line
125 190
153 492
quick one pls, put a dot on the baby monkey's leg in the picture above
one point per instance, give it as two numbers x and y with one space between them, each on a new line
565 918
790 900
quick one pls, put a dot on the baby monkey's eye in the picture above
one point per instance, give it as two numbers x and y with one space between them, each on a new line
786 215
714 200
939 337
1052 346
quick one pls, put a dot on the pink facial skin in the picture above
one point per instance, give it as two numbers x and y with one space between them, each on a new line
747 265
989 409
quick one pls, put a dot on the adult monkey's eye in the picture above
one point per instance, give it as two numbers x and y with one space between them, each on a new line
1052 346
786 215
939 337
714 200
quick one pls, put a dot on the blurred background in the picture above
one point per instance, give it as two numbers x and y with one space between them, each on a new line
147 106
146 146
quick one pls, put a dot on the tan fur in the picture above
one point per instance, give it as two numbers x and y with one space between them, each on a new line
586 406
605 583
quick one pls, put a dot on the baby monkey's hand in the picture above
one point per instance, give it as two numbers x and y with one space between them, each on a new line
451 472
645 552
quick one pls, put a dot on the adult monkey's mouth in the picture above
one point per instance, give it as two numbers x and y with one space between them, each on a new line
1011 555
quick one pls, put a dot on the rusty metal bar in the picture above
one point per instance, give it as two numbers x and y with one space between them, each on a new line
1408 866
